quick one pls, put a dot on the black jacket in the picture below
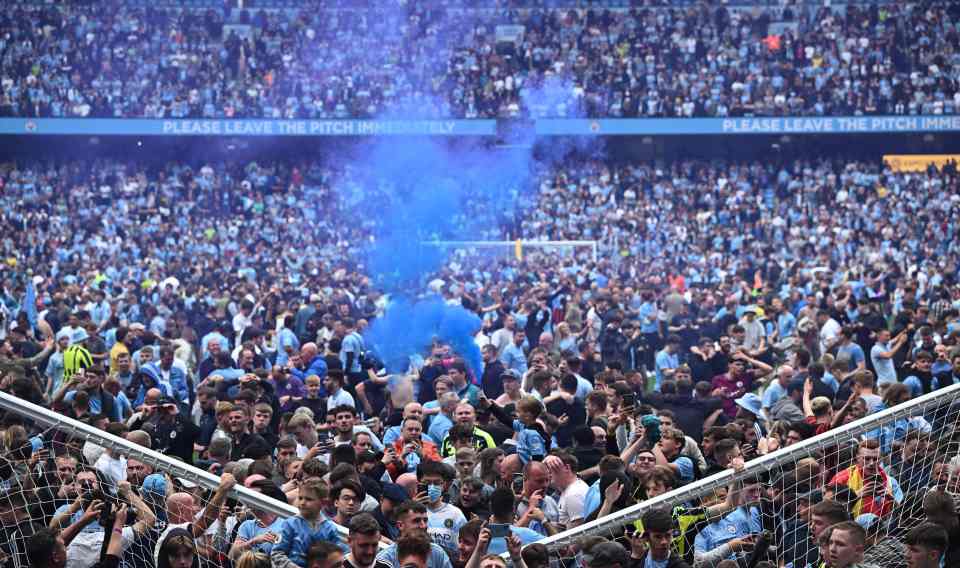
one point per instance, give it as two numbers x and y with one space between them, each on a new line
174 438
674 561
690 412
490 381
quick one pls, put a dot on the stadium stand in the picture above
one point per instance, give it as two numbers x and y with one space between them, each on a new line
504 349
196 61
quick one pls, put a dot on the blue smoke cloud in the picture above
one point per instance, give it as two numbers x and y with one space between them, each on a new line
422 190
553 97
429 189
410 326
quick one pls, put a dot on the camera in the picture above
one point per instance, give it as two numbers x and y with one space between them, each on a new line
91 494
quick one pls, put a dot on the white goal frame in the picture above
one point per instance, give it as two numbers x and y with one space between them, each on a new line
763 464
518 245
160 462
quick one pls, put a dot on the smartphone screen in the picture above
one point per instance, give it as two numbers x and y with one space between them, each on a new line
517 482
499 530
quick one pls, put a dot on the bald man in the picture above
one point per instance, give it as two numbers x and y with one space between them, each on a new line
411 410
466 415
311 363
150 400
182 509
777 389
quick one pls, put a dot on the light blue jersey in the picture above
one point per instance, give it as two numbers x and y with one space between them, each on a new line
252 528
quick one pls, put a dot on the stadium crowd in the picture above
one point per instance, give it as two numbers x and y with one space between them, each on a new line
86 60
211 314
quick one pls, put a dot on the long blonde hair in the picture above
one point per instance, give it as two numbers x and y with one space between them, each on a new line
252 559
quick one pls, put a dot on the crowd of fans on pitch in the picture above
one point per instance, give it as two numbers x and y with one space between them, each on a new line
414 59
210 314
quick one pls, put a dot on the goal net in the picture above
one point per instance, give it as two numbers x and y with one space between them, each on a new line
460 251
57 473
874 471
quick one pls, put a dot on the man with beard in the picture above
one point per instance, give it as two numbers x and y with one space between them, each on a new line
363 539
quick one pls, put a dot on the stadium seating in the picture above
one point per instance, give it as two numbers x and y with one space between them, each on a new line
161 60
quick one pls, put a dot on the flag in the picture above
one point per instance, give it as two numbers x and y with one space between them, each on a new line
30 304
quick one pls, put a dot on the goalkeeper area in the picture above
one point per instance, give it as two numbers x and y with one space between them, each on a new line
882 478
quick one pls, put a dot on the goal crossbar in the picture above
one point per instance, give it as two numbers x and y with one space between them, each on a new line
519 244
160 462
760 465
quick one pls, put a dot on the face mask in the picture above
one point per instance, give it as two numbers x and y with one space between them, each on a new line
434 492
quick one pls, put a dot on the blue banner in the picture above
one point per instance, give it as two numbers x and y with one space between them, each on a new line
230 127
544 127
767 125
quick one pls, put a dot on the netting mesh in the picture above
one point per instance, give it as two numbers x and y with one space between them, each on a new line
490 253
875 471
55 480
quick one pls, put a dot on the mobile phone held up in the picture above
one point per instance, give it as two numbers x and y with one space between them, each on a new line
517 484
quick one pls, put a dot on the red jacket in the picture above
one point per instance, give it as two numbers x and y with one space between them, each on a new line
428 452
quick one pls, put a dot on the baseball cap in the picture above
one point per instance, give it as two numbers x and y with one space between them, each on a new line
154 484
510 374
395 493
867 520
751 403
257 449
251 479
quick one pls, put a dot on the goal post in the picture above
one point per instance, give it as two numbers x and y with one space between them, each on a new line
939 410
518 248
56 492
160 462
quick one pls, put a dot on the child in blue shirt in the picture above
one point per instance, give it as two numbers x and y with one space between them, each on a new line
532 438
309 526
